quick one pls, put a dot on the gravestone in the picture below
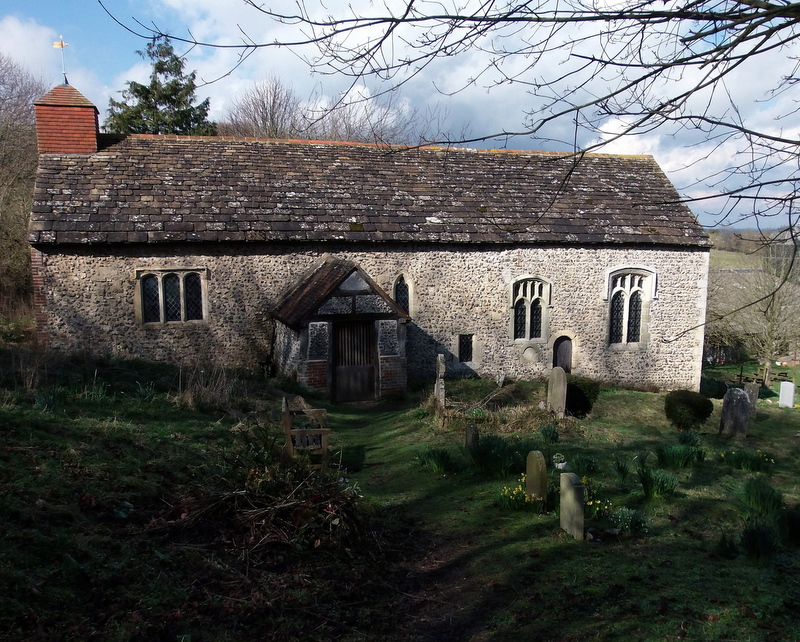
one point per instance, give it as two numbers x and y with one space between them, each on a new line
735 414
557 391
438 388
471 439
752 389
572 505
536 475
786 400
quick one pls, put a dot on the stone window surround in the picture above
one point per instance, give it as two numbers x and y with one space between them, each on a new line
477 347
160 273
547 305
649 291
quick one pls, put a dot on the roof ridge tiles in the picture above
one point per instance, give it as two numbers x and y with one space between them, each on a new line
399 147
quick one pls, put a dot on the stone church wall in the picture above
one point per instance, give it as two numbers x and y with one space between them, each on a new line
90 300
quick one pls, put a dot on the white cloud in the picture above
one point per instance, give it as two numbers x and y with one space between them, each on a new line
31 46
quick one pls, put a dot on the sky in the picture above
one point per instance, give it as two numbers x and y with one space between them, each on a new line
101 56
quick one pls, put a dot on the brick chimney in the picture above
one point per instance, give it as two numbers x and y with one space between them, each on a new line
66 122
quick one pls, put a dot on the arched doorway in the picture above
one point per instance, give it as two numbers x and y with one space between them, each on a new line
562 354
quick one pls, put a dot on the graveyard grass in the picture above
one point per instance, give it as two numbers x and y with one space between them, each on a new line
508 575
102 463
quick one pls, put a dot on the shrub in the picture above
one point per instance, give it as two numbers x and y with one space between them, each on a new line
594 507
630 521
747 460
646 479
664 483
518 499
584 464
437 459
210 389
622 469
759 501
549 433
582 393
497 456
675 456
689 438
687 409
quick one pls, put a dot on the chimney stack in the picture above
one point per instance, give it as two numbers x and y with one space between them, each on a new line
66 122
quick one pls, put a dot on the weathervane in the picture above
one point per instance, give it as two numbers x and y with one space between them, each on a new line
60 44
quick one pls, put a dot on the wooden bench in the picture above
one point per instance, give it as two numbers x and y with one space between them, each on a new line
312 441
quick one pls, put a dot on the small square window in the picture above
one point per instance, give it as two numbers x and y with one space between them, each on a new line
465 347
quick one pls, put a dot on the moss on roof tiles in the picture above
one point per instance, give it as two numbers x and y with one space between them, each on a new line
293 191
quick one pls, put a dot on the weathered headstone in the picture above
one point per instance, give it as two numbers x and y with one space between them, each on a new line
441 366
471 439
572 505
752 389
735 413
438 388
536 475
557 391
786 400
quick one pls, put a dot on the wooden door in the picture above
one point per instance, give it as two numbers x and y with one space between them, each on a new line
562 354
354 360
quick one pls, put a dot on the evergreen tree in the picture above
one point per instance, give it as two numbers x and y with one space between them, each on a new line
165 105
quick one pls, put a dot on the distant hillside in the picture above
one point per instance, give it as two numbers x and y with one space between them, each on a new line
729 260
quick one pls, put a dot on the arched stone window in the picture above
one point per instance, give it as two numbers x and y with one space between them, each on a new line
167 296
530 299
631 291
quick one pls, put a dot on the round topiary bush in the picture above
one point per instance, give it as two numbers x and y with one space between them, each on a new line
687 409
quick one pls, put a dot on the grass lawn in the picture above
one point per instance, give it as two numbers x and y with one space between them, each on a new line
502 574
141 502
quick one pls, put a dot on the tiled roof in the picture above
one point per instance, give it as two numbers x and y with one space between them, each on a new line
172 188
65 96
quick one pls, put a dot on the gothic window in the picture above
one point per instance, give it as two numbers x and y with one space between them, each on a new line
630 296
402 295
171 296
529 304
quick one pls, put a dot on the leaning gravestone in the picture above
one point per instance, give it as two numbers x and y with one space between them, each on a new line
786 400
557 391
536 475
572 504
752 389
735 414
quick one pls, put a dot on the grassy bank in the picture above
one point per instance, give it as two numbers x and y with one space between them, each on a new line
142 502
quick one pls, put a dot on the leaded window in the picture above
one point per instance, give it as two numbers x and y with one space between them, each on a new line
171 296
629 292
465 347
151 299
529 304
193 288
